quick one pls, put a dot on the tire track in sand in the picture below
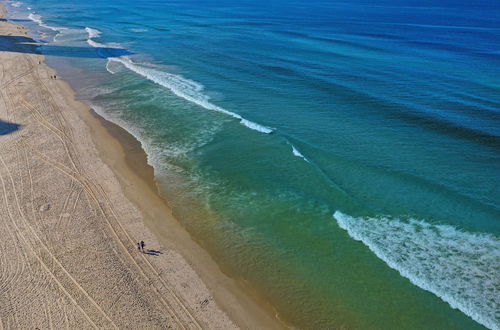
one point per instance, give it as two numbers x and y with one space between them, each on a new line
40 243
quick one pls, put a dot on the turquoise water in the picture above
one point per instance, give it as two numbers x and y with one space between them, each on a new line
342 158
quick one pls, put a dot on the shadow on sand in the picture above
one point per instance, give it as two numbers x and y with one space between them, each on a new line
23 44
7 128
15 20
153 252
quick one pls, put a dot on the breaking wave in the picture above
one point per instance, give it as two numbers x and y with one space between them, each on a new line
109 69
297 153
461 268
38 19
180 86
93 33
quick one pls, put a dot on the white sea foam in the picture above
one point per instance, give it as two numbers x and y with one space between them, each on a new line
38 19
16 4
138 30
297 153
95 44
93 33
108 67
35 18
254 126
180 86
156 152
461 268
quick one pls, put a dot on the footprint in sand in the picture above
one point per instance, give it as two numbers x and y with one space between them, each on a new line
44 207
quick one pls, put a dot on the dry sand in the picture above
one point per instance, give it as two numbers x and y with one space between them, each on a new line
72 210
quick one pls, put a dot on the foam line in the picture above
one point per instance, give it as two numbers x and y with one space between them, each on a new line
461 268
180 86
108 68
93 33
38 19
297 153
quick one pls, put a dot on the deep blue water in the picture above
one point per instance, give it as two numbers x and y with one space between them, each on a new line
341 157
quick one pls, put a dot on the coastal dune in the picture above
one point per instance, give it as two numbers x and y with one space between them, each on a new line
68 255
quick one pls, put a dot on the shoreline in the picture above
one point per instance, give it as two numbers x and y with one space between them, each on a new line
112 149
135 171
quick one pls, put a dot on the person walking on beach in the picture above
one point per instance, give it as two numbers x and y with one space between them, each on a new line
138 246
142 246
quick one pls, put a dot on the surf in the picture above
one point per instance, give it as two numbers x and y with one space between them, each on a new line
459 267
38 20
182 87
297 153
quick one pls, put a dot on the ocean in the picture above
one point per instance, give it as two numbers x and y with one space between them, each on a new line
340 158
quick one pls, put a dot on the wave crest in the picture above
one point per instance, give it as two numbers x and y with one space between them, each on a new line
459 267
180 86
297 153
93 33
38 19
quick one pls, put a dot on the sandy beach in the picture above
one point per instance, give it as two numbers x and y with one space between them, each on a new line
76 196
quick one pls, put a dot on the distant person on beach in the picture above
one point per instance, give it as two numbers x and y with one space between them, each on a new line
142 245
138 246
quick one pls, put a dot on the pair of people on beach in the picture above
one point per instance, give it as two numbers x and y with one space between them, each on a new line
140 246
